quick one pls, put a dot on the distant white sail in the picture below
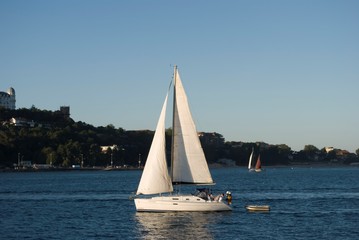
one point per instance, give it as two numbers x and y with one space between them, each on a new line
250 160
155 177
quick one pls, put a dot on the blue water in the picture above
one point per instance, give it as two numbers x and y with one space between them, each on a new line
306 203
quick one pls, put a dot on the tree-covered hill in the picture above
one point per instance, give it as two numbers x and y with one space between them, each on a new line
51 137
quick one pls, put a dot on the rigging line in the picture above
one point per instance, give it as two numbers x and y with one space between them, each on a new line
172 79
169 87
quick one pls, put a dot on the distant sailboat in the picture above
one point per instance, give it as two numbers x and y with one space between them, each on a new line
188 164
258 167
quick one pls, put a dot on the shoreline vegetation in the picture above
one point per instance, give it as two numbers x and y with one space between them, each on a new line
51 140
211 166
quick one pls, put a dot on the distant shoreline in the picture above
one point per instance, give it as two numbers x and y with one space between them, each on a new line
61 169
211 166
309 165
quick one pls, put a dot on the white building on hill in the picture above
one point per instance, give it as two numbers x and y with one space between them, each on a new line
7 99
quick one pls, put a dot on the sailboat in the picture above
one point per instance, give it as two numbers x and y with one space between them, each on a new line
188 163
258 167
250 161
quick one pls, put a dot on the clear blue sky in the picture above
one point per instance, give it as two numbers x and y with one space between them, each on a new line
256 70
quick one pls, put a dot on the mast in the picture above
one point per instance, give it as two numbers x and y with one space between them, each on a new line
173 117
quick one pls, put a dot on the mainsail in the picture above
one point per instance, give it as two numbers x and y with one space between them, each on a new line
155 177
188 161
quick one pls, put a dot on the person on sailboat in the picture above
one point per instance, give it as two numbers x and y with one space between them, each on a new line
229 197
219 197
210 197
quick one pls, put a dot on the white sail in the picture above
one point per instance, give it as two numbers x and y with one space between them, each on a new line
155 178
250 160
188 161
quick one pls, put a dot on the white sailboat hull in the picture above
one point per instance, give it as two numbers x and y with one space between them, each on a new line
179 203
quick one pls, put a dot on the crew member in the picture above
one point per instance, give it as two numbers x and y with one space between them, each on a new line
229 197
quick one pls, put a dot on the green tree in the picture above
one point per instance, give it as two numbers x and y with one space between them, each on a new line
310 148
94 153
310 152
49 155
